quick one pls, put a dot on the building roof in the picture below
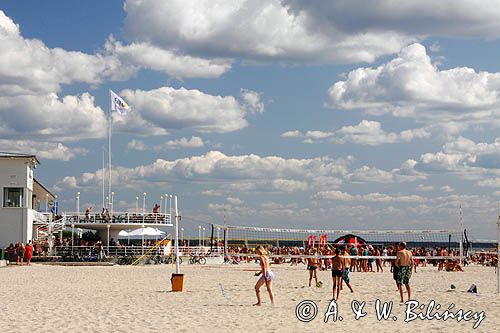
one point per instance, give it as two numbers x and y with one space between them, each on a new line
19 155
44 188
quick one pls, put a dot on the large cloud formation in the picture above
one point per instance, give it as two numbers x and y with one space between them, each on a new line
158 110
411 85
297 30
32 76
260 30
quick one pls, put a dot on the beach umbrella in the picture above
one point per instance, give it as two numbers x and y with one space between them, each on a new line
146 232
123 234
350 239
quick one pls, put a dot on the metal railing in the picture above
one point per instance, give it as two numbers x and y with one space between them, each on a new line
47 227
128 250
119 217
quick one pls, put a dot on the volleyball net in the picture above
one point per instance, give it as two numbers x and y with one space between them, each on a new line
241 241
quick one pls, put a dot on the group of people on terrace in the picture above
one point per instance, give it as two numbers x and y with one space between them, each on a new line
133 217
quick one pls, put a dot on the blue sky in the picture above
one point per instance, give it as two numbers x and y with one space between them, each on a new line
345 115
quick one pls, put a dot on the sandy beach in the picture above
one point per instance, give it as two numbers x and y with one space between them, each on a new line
45 298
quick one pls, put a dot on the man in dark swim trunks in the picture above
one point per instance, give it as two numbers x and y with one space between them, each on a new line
404 263
347 265
337 272
312 266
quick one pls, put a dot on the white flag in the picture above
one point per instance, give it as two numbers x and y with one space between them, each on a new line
117 103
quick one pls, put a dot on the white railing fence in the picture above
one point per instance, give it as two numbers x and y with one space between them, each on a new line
118 217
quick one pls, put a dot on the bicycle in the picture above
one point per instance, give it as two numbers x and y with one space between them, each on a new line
126 260
197 259
171 259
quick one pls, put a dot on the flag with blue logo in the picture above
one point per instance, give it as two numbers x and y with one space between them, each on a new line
117 103
55 208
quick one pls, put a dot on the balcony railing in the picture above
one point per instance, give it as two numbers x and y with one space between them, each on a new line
118 217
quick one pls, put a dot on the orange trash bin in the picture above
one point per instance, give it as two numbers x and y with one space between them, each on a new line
177 281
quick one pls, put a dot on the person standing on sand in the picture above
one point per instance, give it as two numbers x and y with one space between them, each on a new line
337 272
267 275
20 253
347 265
312 266
378 261
28 253
404 263
11 253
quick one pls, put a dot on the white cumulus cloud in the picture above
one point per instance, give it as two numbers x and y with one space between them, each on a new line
155 111
412 86
365 133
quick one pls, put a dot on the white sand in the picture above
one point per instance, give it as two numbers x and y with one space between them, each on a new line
135 299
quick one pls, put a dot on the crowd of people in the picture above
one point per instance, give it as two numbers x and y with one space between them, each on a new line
20 252
279 255
489 259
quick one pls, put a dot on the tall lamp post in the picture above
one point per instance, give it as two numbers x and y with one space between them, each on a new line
161 203
182 236
72 237
170 209
165 202
46 203
203 237
78 206
217 245
199 236
136 205
112 204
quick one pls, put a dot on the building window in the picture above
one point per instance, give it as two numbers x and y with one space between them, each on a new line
13 197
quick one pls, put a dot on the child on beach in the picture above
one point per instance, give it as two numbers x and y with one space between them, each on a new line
337 272
267 275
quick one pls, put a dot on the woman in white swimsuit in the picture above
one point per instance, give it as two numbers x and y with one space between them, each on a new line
267 275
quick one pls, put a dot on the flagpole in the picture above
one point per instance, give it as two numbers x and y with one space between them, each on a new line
110 124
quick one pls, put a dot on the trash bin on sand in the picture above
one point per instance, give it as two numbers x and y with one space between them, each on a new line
177 281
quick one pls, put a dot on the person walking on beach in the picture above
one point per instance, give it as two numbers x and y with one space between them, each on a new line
404 263
312 266
378 261
28 253
46 247
267 275
20 253
11 253
347 265
337 272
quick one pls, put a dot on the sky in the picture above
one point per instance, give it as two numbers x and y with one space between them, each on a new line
339 115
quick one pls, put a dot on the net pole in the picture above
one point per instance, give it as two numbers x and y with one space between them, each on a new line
176 244
225 242
461 227
225 233
498 255
212 239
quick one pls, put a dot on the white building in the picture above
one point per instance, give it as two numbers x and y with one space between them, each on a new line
22 197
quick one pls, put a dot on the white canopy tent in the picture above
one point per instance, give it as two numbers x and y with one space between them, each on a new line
148 233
